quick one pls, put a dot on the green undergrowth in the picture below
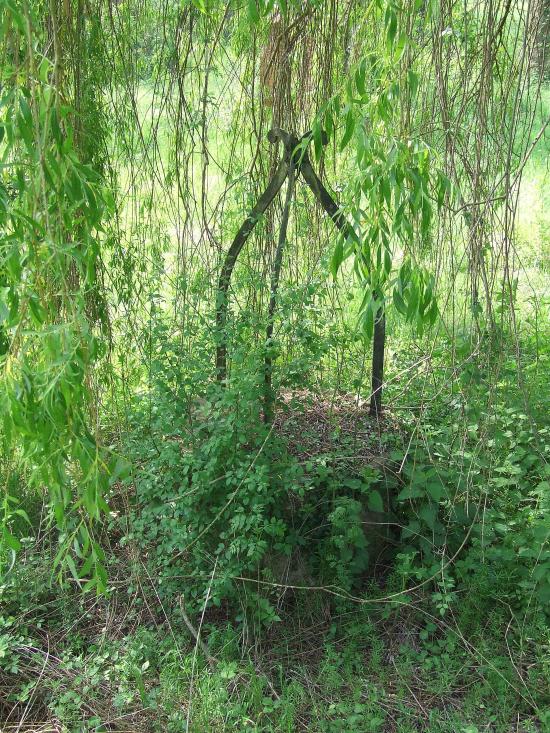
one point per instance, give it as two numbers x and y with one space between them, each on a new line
261 538
118 663
345 575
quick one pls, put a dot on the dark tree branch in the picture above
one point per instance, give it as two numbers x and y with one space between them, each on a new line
231 258
275 275
379 337
378 346
295 161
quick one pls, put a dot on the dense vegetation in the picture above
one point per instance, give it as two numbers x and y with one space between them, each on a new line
274 364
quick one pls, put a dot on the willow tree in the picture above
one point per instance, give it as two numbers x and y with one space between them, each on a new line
425 109
52 210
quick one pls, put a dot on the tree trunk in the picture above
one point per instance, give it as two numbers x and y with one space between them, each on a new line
378 346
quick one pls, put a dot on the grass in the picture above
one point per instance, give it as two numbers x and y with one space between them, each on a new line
119 664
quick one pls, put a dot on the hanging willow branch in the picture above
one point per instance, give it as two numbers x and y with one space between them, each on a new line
379 336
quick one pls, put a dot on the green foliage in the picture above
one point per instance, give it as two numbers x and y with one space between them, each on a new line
347 546
354 672
478 514
394 183
52 209
342 573
220 500
210 512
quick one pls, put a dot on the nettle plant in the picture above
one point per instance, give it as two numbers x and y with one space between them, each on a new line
52 313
